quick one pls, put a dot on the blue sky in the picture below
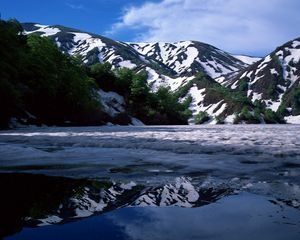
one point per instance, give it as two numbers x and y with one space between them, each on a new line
237 26
90 15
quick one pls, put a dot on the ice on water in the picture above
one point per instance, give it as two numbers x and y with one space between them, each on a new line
254 154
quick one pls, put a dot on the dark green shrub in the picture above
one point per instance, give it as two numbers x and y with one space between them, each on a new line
201 118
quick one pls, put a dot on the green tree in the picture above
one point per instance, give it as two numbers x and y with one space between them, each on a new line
201 117
124 80
220 120
36 77
139 89
270 116
60 90
12 52
104 76
243 86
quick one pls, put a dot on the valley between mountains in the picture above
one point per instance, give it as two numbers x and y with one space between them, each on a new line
217 86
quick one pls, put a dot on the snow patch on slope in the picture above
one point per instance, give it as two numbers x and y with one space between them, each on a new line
187 56
157 80
293 119
47 30
112 102
197 104
247 59
127 64
180 194
84 43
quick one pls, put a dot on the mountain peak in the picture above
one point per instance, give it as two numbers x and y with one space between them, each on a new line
182 58
175 64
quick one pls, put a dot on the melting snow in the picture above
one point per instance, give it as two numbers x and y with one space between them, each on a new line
220 79
197 103
50 220
229 119
112 102
127 64
221 109
273 105
85 206
273 71
294 55
214 69
198 96
235 85
84 43
192 53
256 79
266 60
212 108
256 96
156 80
168 53
295 44
293 119
249 74
247 59
47 30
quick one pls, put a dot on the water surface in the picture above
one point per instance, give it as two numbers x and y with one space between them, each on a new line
238 181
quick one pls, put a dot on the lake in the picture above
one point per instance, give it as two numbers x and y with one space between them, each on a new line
162 182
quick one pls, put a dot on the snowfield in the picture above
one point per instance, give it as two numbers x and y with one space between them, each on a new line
247 59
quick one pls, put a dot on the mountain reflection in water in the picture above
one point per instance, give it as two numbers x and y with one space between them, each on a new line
208 182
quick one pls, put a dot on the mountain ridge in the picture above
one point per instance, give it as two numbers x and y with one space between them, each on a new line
274 80
174 65
48 31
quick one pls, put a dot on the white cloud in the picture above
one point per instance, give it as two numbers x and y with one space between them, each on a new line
238 26
76 6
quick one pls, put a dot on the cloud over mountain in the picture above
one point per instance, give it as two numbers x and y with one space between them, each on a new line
233 25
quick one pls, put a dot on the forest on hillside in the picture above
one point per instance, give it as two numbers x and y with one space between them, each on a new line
41 85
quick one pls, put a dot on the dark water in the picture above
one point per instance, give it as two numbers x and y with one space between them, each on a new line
246 216
211 182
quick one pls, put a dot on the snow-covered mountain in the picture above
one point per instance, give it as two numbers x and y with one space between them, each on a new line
228 81
187 58
40 200
92 48
89 200
169 64
274 80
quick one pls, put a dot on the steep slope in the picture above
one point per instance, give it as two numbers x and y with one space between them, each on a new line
91 47
218 102
227 83
274 80
79 198
168 64
187 58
